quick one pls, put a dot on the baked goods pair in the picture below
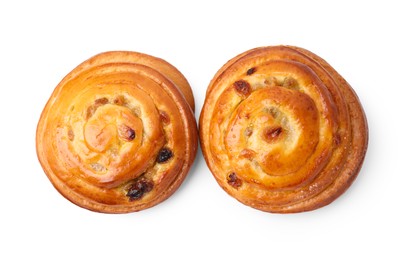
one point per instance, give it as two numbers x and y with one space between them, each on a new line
280 130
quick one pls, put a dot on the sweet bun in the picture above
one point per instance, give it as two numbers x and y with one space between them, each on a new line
118 133
281 130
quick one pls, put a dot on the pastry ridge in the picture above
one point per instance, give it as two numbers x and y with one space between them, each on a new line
118 134
281 130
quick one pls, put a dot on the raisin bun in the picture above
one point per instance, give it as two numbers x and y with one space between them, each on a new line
118 133
281 130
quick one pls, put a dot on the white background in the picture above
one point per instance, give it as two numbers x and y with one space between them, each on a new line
41 41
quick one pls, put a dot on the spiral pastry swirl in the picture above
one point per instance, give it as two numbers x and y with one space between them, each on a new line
118 133
281 130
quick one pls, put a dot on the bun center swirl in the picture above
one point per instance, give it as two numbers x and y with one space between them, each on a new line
277 138
274 128
113 129
115 136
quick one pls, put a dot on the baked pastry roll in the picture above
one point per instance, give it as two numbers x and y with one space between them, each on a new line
118 133
281 130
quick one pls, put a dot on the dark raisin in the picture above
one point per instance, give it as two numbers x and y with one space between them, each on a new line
251 71
131 134
337 139
139 188
242 87
127 133
164 155
234 181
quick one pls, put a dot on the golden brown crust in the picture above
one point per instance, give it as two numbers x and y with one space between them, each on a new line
281 130
118 133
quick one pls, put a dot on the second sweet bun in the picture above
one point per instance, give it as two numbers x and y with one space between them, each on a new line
118 133
282 131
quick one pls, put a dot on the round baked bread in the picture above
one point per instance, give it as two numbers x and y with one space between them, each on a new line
118 134
281 130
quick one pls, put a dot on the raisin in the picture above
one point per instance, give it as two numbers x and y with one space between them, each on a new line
127 133
139 188
242 87
101 101
337 139
234 181
272 133
90 111
119 100
165 118
251 71
290 82
164 155
248 131
247 153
